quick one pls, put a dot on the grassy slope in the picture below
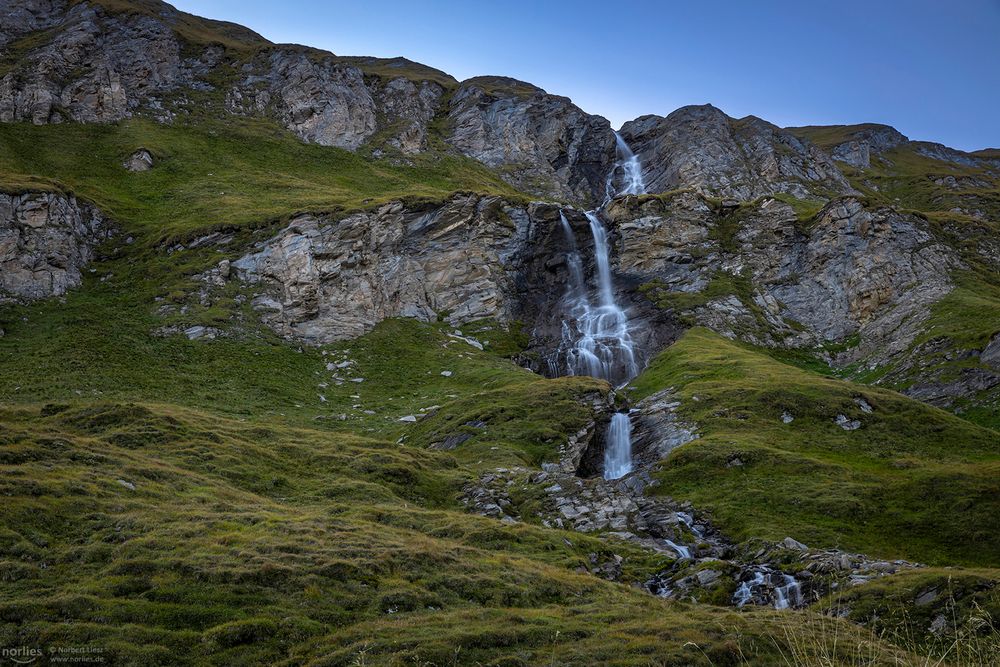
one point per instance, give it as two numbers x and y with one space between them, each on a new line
253 542
965 605
913 482
215 175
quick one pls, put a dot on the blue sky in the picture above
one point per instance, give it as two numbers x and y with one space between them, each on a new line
930 68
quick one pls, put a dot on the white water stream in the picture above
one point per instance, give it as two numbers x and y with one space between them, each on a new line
618 447
595 333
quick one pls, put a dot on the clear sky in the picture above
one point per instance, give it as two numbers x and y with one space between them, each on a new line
930 68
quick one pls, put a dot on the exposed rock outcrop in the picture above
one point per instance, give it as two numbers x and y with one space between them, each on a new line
321 100
867 141
334 279
544 143
21 18
700 147
758 273
45 242
98 67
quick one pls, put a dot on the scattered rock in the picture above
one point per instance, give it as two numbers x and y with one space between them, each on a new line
141 160
847 424
790 543
198 332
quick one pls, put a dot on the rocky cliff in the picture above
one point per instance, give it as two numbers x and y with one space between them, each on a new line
46 240
329 279
700 147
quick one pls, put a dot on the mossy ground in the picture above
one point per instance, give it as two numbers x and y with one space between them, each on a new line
912 482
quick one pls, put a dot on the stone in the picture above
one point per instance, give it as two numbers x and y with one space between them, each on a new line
141 160
128 485
199 332
701 148
447 374
333 279
541 143
408 418
846 423
790 543
707 577
787 418
46 241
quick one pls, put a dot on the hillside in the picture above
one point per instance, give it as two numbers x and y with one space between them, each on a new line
326 359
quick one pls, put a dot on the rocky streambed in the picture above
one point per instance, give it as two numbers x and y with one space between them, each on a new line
704 564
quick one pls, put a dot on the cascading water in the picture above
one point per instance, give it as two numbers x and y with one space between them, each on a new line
595 332
618 447
682 551
631 169
788 595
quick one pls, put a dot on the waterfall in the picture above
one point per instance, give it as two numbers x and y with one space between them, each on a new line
631 169
788 595
682 552
595 334
618 447
744 593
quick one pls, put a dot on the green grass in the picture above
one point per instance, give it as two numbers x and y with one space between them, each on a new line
905 607
251 542
218 175
913 482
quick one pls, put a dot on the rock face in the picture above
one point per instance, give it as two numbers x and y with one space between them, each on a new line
701 148
27 16
45 242
334 279
321 100
867 141
544 143
141 160
97 67
757 273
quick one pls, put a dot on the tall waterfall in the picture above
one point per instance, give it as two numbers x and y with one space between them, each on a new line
595 334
